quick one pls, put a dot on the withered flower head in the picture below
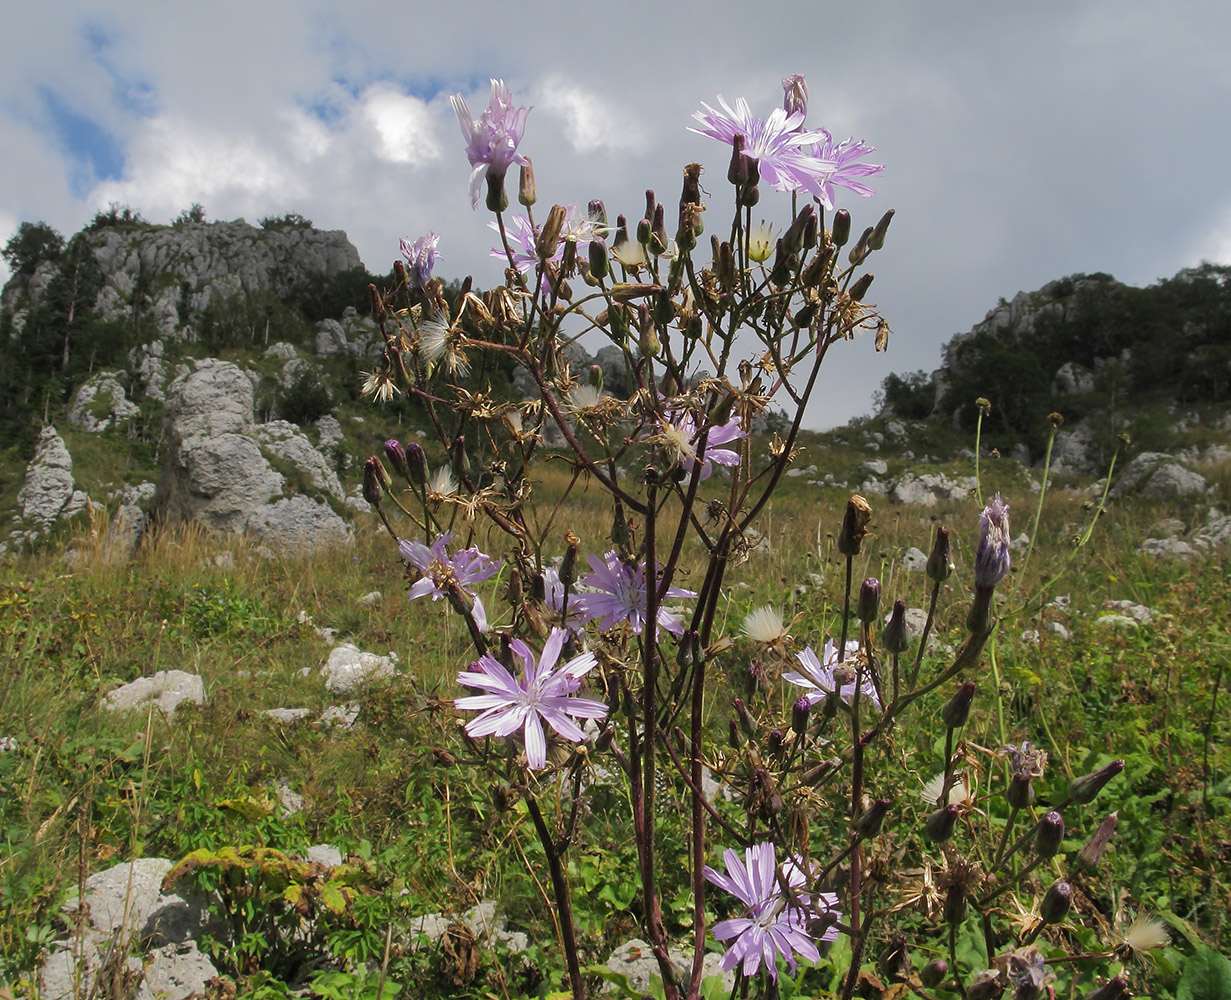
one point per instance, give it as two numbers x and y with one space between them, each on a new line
854 526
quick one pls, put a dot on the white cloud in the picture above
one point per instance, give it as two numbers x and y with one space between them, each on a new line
591 122
404 126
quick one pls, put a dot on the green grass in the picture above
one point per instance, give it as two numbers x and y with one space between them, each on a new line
87 788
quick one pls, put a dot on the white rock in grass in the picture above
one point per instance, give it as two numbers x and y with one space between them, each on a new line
288 716
1058 630
1117 622
342 716
167 689
914 560
349 668
637 963
1138 612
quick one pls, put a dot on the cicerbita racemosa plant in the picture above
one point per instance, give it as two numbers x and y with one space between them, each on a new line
617 648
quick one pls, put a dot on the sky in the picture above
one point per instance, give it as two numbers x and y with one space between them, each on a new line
1021 141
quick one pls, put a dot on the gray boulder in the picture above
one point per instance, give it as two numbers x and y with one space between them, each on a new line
299 524
167 689
48 492
1072 451
101 403
1159 476
285 441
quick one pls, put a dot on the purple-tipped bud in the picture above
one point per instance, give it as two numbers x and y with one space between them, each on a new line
598 258
568 565
784 263
658 231
939 826
737 169
516 595
1084 789
597 212
651 204
605 739
775 743
397 457
1092 853
940 562
1116 988
754 678
763 784
527 194
746 720
954 911
872 820
735 735
538 588
957 709
986 985
810 230
750 193
934 973
372 489
1057 902
894 638
1049 835
869 600
799 715
795 94
860 250
992 560
841 227
793 238
877 239
416 464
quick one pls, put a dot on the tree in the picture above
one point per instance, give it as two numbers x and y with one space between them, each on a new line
33 243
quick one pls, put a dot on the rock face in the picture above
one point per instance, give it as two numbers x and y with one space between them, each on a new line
49 481
101 403
1155 475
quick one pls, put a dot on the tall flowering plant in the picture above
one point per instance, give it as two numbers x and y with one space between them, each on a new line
627 663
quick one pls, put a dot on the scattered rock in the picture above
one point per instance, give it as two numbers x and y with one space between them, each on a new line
340 716
349 668
288 716
914 560
1138 612
48 492
637 963
299 524
167 689
100 403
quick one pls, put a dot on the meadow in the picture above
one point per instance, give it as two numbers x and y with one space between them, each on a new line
82 788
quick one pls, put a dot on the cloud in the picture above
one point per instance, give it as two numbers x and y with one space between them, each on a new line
591 122
404 126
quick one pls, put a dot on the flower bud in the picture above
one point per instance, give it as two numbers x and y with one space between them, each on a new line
1116 988
1092 853
416 464
814 775
497 199
810 231
934 973
526 193
784 264
746 720
1057 902
854 526
869 600
954 910
986 985
737 169
1084 789
860 250
1020 792
598 259
872 820
940 562
877 239
658 232
538 588
372 489
549 236
397 457
957 709
725 266
516 596
799 715
651 204
841 227
766 791
992 560
860 288
596 211
938 827
793 238
735 736
894 638
795 94
775 743
1049 835
568 565
750 194
605 739
458 458
643 232
378 304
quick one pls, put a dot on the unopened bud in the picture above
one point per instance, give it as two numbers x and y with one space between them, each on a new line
940 562
658 232
793 238
877 239
1084 789
934 973
497 199
458 457
814 775
869 600
1057 902
854 526
1116 988
644 228
538 588
750 193
416 464
598 258
784 264
516 597
799 715
957 709
735 736
872 820
894 638
549 236
860 250
954 911
841 227
1049 835
568 565
737 169
746 720
397 457
767 792
986 985
1092 853
378 303
818 267
526 192
860 288
775 743
372 490
938 827
1020 792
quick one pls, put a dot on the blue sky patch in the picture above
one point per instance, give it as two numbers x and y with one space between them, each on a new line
94 154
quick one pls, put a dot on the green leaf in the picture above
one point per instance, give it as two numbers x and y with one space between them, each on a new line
1207 976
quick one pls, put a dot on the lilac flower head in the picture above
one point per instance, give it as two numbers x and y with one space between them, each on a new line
616 593
680 437
992 557
774 923
443 574
421 256
843 156
786 160
816 677
795 95
553 600
541 695
491 141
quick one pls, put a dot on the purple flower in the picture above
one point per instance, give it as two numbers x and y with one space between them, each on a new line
491 141
817 677
444 574
774 923
681 438
553 600
421 255
992 557
542 695
795 95
786 160
843 156
617 594
522 239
